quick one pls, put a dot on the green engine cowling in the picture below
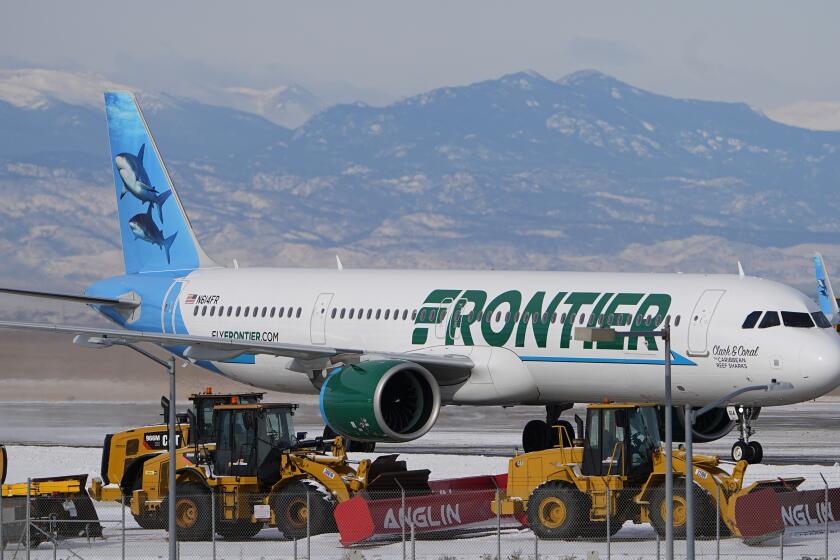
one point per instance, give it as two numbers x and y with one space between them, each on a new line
380 400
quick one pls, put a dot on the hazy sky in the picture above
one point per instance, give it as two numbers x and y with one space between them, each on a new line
765 53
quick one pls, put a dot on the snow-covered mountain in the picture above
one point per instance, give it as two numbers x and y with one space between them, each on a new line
585 172
288 105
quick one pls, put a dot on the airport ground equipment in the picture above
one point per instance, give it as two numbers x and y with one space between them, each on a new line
617 471
260 471
58 508
124 453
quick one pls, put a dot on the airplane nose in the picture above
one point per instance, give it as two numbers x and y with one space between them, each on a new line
819 363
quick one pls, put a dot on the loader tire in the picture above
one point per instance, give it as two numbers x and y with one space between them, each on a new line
238 530
704 511
291 513
192 513
557 511
149 520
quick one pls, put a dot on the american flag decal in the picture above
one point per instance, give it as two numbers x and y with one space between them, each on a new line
190 299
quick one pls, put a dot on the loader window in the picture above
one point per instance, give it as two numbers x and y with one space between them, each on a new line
604 450
643 440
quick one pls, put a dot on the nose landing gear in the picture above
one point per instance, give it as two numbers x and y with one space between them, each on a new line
744 449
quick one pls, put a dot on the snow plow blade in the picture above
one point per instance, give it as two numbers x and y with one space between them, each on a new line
764 515
60 508
449 508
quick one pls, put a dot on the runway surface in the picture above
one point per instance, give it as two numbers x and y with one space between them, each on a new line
803 433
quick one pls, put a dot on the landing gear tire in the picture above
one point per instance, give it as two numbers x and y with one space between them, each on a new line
536 436
741 451
757 452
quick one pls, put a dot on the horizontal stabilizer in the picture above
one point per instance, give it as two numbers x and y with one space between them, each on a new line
87 300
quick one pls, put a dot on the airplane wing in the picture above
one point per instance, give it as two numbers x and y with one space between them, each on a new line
446 368
89 300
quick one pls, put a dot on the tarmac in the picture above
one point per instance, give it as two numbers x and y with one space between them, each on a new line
795 434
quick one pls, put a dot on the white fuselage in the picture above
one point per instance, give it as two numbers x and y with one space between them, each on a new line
518 362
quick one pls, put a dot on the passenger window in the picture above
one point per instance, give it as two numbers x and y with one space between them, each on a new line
343 310
422 315
413 315
212 310
554 318
405 314
195 311
770 319
238 310
751 320
396 314
507 316
264 311
230 310
821 320
796 319
289 313
677 321
379 313
562 318
247 311
352 313
498 316
273 311
332 315
582 318
282 309
387 313
369 313
300 309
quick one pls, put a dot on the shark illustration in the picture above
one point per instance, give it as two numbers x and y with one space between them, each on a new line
144 227
136 181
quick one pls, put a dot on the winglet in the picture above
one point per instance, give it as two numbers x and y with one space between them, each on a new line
740 270
338 263
825 294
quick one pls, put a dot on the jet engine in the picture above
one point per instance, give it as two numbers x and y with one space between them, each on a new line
380 400
711 426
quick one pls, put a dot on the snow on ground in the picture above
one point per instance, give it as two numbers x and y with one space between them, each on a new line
632 541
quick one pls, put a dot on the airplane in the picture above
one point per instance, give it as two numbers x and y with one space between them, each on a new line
385 349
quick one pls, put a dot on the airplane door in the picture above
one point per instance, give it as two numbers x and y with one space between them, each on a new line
698 328
169 309
318 322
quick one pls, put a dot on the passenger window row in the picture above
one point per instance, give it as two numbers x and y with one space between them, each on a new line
248 311
794 319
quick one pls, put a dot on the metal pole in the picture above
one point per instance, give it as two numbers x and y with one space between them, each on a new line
413 544
717 524
173 450
2 542
498 523
122 509
213 519
402 516
825 514
689 482
669 450
658 545
782 545
28 513
536 547
609 508
308 517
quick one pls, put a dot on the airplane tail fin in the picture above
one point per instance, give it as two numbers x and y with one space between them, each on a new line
142 184
825 294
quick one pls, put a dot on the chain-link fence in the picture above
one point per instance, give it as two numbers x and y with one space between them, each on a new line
556 521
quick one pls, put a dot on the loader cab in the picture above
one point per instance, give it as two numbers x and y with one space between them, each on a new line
203 405
620 440
247 435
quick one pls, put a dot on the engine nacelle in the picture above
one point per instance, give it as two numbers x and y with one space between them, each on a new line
380 400
711 426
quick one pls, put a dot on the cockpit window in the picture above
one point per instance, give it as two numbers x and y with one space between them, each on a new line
751 320
796 319
770 319
821 320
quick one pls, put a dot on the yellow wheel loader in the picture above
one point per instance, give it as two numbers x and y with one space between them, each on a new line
58 507
125 453
617 471
259 471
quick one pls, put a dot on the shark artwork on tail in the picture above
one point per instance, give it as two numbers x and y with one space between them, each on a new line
144 227
136 181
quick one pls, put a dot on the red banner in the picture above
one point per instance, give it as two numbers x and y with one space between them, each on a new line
762 516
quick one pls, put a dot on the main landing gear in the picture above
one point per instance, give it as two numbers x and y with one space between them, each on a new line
538 434
744 449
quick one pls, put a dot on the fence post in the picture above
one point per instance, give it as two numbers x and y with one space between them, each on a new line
402 516
717 524
609 507
825 514
536 547
213 519
413 544
122 502
782 545
28 513
498 523
2 543
308 527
